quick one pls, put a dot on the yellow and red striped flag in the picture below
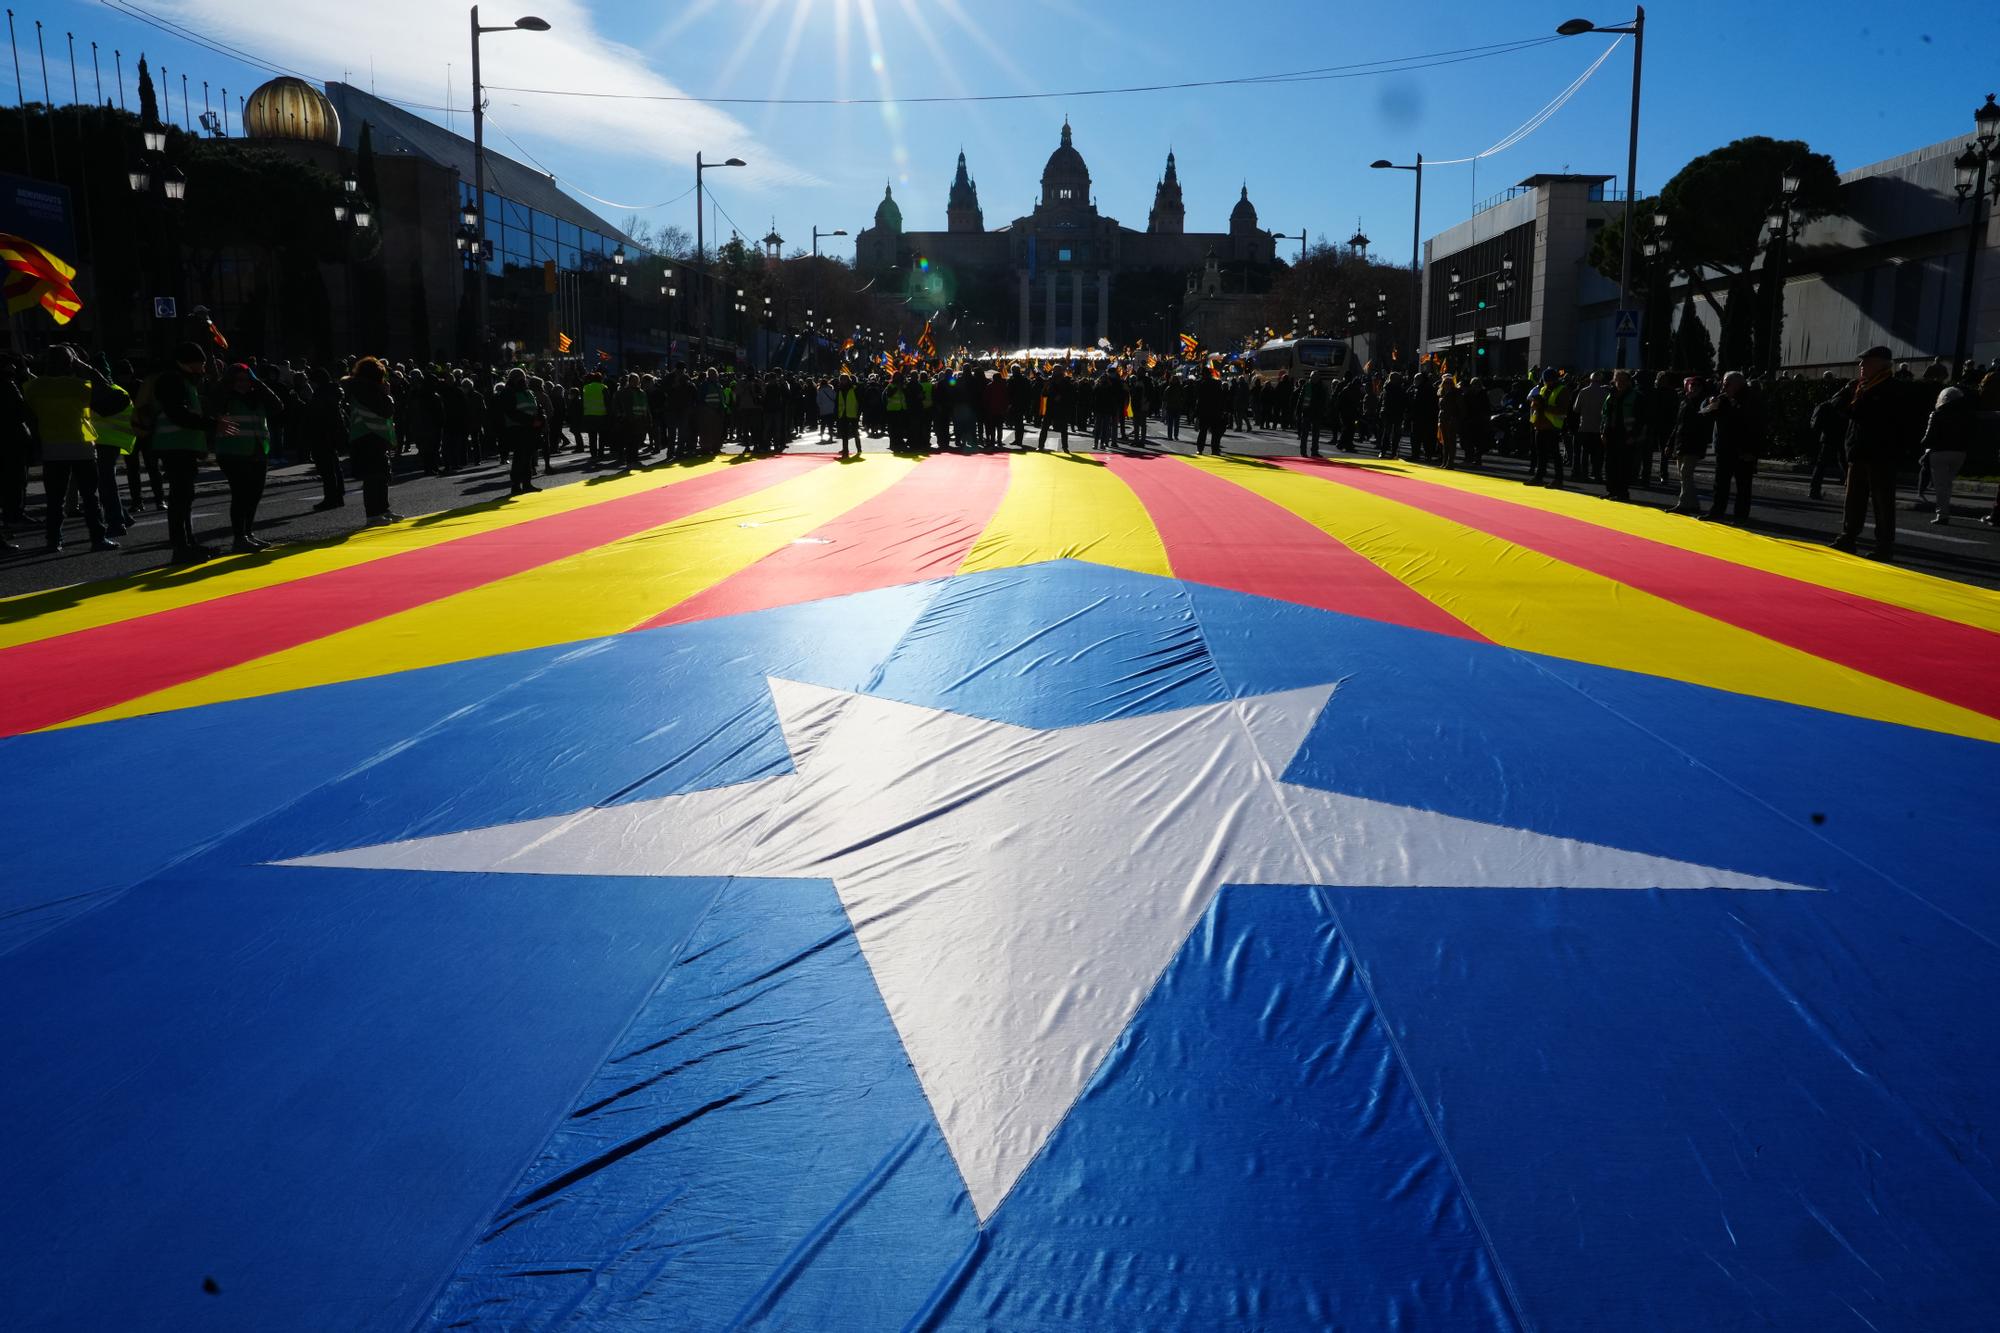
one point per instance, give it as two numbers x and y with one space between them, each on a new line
37 278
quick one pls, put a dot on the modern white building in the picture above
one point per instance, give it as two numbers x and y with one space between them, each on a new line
1889 268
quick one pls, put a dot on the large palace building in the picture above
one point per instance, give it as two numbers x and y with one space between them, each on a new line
1066 274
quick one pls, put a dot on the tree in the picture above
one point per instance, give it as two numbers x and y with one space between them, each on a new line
1693 352
1716 205
149 101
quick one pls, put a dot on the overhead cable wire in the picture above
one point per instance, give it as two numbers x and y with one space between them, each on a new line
1364 69
574 188
1536 121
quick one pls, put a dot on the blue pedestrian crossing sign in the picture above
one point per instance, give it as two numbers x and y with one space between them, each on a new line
1626 324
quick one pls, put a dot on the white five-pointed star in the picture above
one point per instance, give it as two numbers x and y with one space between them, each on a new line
1017 892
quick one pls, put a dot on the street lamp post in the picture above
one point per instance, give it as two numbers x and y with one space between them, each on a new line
619 281
152 169
527 23
1416 246
1288 236
1784 228
1637 29
1972 168
700 287
817 233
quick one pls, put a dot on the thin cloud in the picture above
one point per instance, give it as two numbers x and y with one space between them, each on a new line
342 39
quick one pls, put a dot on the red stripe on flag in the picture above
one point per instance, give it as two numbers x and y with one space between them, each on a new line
72 675
1218 533
920 528
1942 658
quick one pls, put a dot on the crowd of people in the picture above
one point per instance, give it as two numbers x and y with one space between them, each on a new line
107 436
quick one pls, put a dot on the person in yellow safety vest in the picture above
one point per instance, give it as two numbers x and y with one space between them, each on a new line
242 444
629 414
1548 409
522 425
594 411
847 413
371 434
180 438
62 402
116 438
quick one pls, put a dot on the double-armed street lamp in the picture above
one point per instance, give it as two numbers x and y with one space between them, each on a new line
152 169
620 280
1971 169
1636 29
526 23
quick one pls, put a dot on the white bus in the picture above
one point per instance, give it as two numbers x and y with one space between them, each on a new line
1321 358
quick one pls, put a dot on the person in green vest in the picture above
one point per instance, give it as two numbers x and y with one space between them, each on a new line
711 411
522 427
371 434
116 438
1548 411
180 438
595 409
847 413
242 444
62 403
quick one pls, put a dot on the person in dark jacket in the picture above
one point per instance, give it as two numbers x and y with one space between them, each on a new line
1738 414
1689 442
1874 420
1947 440
1828 425
371 434
522 429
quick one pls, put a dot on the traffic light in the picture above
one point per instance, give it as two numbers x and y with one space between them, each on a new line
1479 346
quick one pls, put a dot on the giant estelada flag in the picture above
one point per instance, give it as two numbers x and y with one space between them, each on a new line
1010 892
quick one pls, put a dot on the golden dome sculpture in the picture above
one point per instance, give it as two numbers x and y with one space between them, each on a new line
288 108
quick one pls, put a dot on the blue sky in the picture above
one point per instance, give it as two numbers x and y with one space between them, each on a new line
1860 81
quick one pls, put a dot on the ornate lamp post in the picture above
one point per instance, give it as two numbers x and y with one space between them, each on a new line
1972 167
1784 226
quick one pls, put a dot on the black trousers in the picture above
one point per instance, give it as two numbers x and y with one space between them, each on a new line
1870 481
1830 461
58 479
521 462
1548 454
1618 467
180 465
1308 435
326 462
1589 456
1733 469
245 474
371 465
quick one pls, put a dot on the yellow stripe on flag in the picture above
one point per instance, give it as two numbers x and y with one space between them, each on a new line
1523 599
44 615
599 592
1068 507
1809 562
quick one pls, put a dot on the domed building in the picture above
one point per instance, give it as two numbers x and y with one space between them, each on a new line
1055 276
293 110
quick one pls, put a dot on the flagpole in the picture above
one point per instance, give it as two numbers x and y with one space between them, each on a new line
48 102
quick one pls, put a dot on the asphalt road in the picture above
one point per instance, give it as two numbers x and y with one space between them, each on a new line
1965 550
